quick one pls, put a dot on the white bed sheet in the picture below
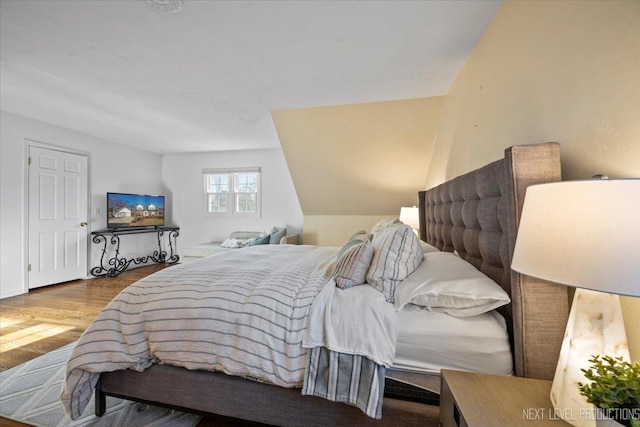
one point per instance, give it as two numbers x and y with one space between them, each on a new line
428 342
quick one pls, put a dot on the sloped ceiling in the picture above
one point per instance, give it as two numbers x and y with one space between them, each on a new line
205 77
362 159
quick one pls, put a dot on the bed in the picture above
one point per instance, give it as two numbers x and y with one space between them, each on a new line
474 216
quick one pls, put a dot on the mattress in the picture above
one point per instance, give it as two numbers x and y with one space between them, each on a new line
428 342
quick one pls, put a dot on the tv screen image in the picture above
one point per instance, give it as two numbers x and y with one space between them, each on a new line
134 210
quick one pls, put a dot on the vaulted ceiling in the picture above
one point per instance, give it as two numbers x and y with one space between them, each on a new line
206 75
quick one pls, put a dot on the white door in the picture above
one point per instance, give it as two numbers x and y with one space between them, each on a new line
57 216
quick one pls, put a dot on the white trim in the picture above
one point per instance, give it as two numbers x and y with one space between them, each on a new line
213 171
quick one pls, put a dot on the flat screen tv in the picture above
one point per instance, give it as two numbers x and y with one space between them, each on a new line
134 210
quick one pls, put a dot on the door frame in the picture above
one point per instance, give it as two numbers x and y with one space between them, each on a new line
25 197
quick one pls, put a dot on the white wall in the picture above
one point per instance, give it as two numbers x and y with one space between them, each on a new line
184 188
113 167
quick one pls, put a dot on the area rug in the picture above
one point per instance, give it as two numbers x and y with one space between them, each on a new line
30 393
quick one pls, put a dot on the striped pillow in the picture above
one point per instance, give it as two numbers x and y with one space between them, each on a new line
356 239
383 224
360 234
352 265
397 254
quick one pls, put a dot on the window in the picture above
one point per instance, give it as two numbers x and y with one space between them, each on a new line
231 192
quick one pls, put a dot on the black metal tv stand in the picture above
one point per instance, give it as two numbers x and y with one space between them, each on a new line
117 264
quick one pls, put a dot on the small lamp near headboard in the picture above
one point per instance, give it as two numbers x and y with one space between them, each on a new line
584 234
411 217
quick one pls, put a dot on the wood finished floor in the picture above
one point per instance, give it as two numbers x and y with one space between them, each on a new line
50 317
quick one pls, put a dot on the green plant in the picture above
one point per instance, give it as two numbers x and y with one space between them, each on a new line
614 387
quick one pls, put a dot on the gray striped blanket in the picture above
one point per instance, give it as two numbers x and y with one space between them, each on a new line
241 312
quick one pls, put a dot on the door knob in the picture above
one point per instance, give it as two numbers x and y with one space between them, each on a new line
83 224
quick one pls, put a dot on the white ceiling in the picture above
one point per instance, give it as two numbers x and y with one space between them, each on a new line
207 76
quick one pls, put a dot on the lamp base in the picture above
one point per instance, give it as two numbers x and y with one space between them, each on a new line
595 327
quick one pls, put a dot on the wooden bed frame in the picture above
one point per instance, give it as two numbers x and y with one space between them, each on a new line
477 216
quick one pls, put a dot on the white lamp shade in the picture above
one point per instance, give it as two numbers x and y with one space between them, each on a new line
410 216
582 233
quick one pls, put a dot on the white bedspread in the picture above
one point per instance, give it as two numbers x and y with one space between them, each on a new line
240 312
244 313
357 320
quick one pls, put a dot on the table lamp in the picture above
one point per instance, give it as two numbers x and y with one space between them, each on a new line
584 234
410 216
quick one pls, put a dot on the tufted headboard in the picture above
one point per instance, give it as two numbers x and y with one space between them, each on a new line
477 215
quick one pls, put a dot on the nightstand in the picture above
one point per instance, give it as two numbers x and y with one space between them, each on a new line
480 400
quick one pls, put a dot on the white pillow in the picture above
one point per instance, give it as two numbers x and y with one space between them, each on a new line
446 283
426 248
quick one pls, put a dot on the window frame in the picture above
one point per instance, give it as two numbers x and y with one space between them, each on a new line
232 193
